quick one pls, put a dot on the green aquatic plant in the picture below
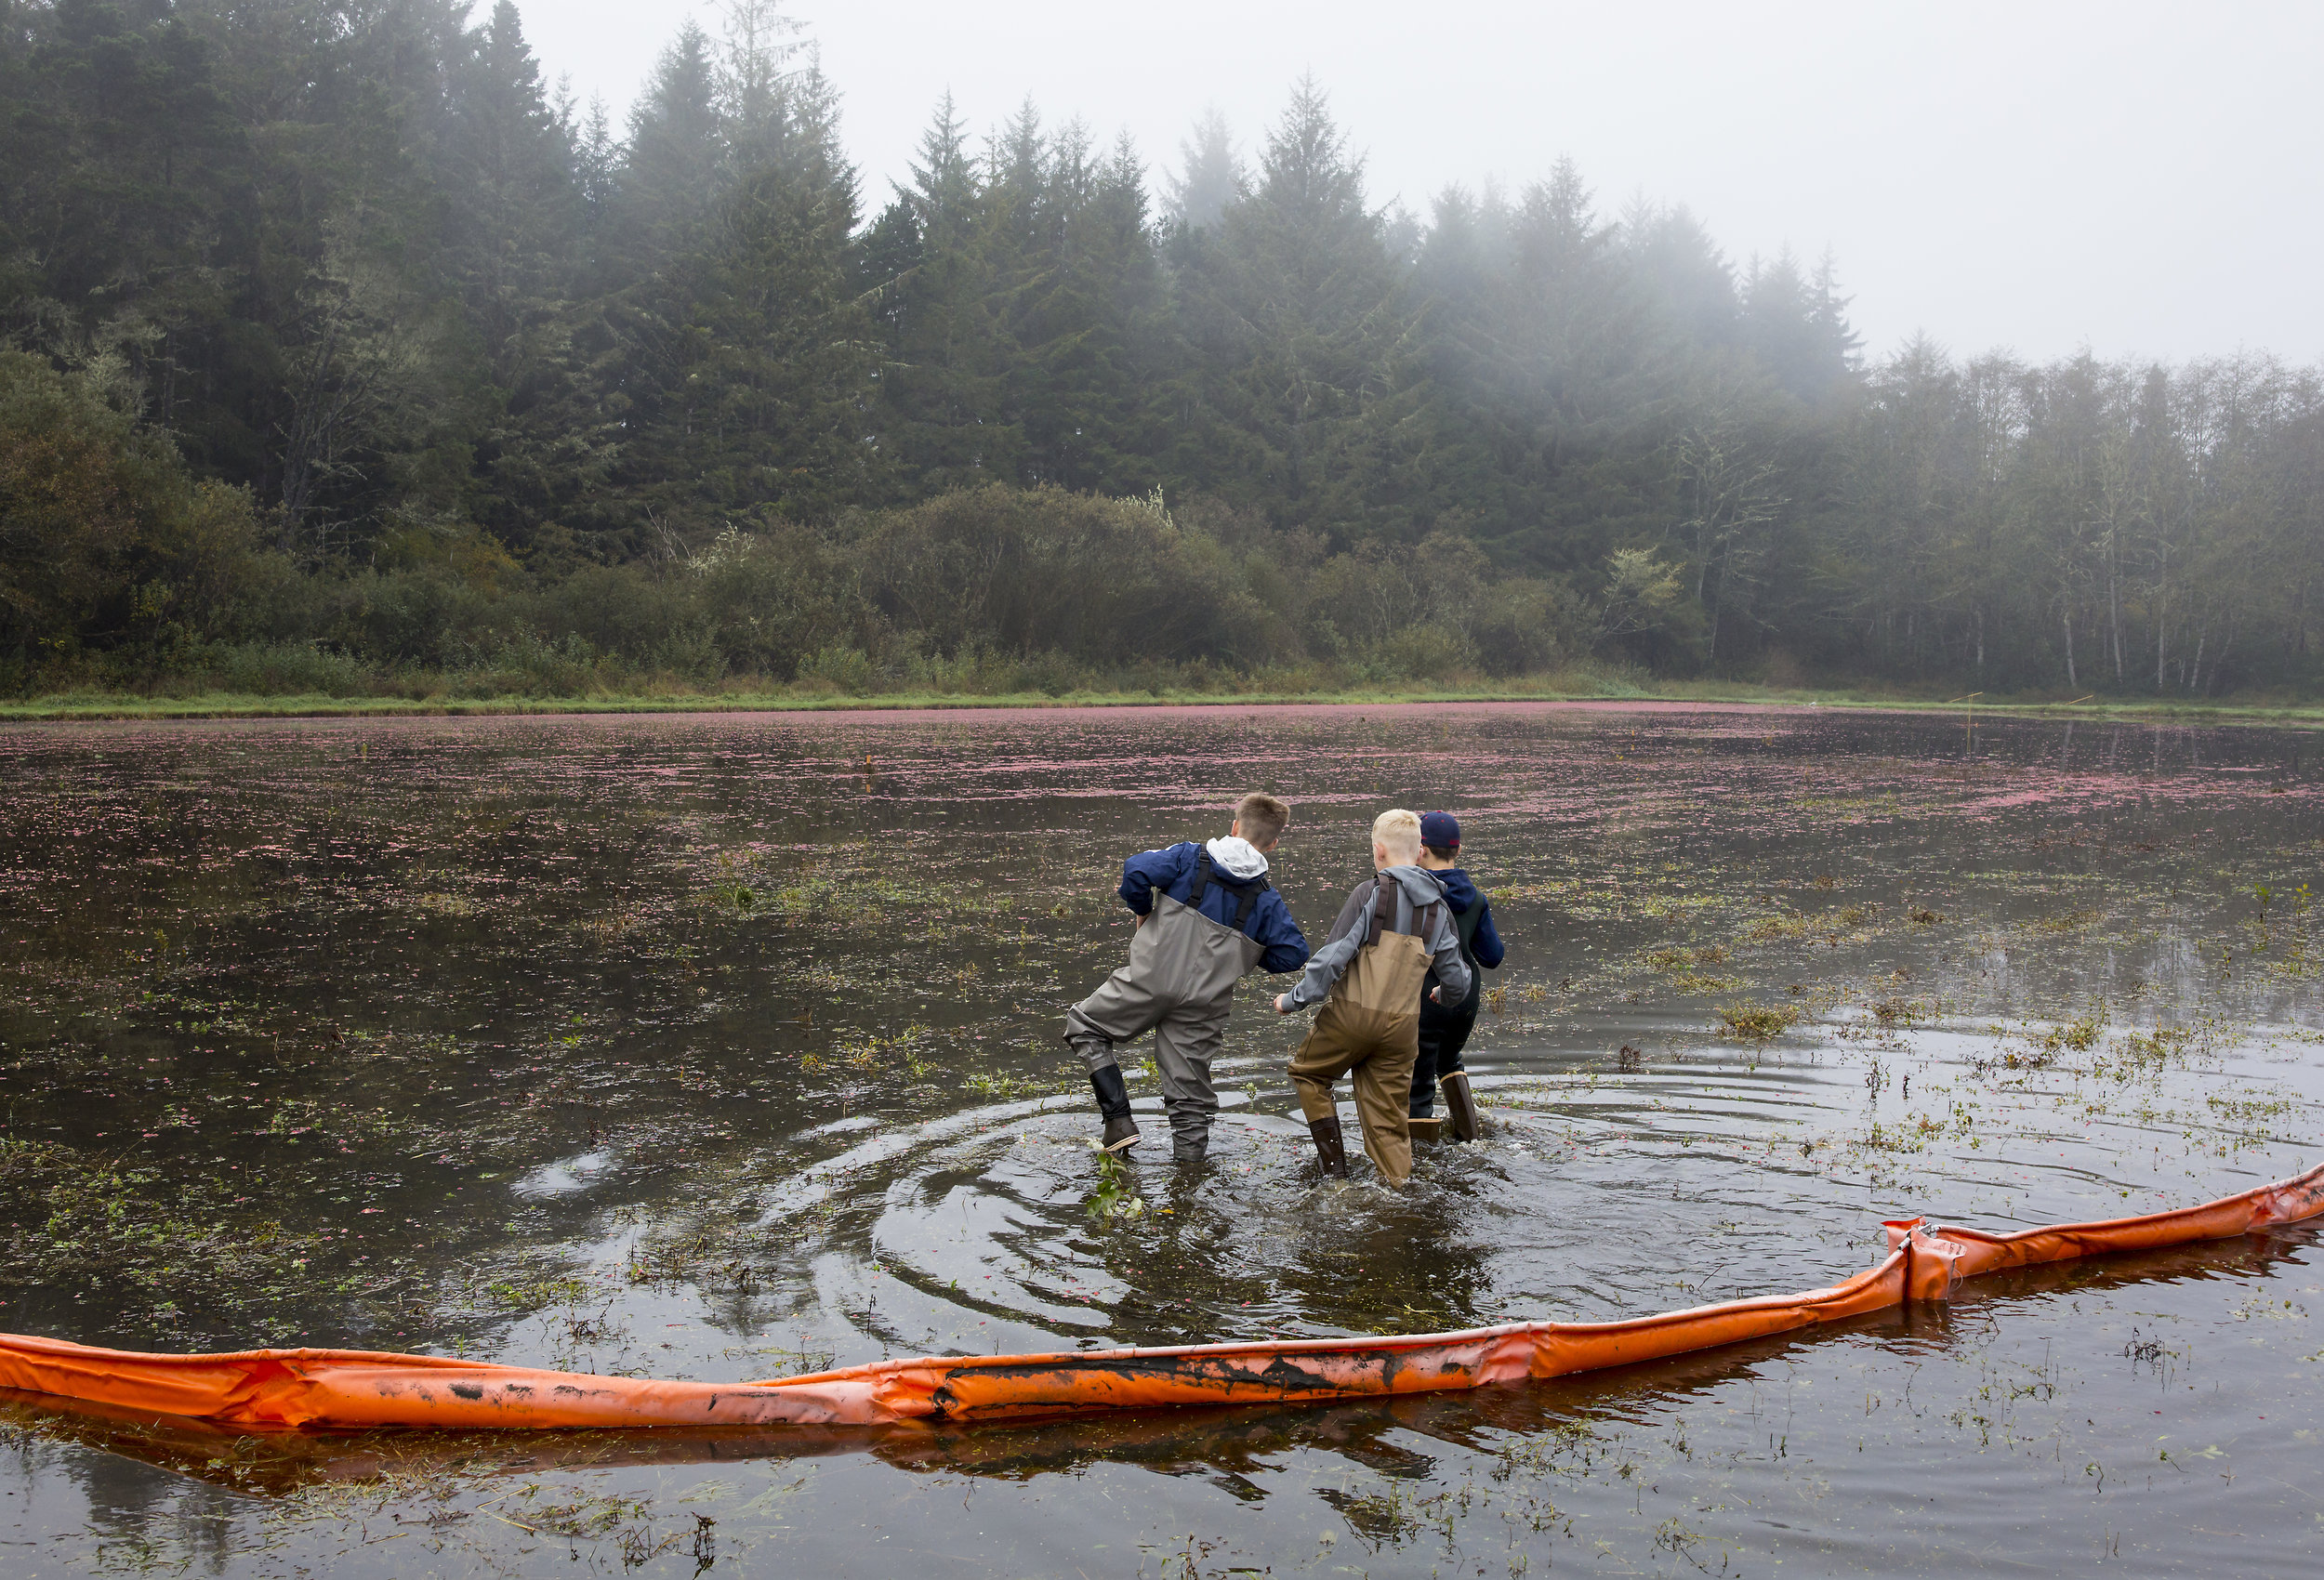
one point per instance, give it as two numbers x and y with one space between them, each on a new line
2079 1035
611 925
1756 1022
1115 1196
2070 921
1002 1086
1687 959
804 1360
2155 1047
1911 1134
730 893
906 1049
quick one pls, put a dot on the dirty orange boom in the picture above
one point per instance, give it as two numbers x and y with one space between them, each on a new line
262 1389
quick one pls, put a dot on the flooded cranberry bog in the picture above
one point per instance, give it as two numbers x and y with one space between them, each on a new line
727 1047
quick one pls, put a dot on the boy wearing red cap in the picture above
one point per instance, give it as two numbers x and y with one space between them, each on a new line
1445 1029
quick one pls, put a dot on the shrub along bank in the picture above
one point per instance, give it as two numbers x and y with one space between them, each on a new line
124 573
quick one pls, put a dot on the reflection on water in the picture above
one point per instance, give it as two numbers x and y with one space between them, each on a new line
679 1047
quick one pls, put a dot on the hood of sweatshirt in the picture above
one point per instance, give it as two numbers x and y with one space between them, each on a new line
1419 885
1460 893
1237 858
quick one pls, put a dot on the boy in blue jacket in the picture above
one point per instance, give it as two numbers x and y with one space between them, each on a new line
1206 916
1444 1031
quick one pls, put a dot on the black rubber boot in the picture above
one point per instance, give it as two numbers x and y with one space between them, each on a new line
1328 1147
1189 1146
1121 1131
1459 1104
1423 1101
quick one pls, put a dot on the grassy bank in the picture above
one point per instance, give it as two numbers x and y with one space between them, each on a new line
745 697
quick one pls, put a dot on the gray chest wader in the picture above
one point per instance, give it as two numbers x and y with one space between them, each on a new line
1179 984
1370 1027
1443 1034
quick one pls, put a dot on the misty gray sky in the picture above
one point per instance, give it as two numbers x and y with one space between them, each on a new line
2143 178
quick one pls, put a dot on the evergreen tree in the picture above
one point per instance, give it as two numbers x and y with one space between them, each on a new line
1686 276
128 182
515 199
671 165
1300 332
1089 320
944 403
767 409
1797 327
1211 175
757 88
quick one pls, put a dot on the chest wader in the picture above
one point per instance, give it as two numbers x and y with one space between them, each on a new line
1370 1026
1443 1034
1179 984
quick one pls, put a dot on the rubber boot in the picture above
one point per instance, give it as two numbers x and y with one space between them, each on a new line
1459 1104
1121 1131
1328 1147
1189 1147
1424 1127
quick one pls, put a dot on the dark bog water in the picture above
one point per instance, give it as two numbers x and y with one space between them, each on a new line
726 1047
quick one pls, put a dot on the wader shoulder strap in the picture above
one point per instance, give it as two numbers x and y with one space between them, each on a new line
1465 929
1249 903
1243 907
1384 906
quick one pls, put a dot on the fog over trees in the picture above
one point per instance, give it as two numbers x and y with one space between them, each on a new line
340 344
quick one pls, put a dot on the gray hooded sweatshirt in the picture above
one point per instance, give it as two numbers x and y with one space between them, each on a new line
1416 888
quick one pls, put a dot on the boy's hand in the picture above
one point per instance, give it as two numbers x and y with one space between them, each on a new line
1283 1004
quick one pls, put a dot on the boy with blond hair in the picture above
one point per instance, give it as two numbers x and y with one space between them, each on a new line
1393 939
1206 916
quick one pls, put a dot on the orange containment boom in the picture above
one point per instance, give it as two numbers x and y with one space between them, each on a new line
262 1389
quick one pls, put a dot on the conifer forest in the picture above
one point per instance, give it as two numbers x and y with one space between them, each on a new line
345 353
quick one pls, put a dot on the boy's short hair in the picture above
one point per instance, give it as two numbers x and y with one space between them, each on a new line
1263 818
1398 831
1443 853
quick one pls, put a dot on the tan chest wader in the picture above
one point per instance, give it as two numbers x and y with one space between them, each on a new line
1370 1026
1179 984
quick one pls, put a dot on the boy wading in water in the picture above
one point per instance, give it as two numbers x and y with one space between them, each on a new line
1205 914
1443 1032
1393 939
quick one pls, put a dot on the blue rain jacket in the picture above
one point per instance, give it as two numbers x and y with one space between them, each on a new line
1172 871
